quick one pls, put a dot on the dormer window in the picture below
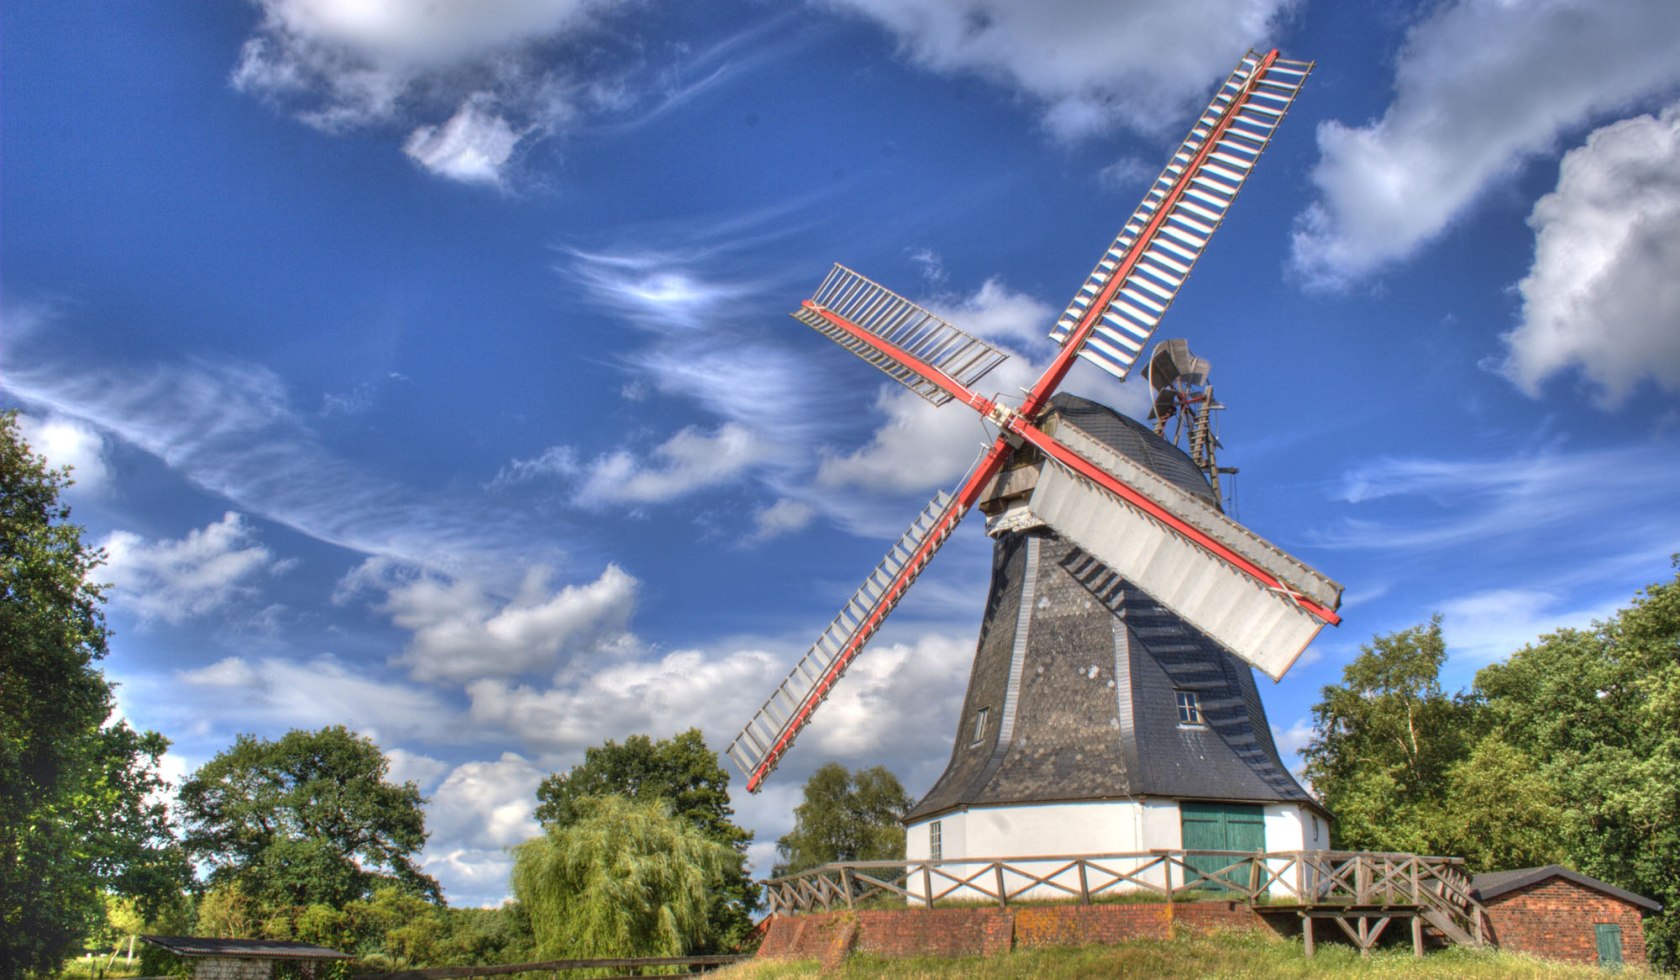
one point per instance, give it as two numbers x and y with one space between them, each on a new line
1189 708
979 727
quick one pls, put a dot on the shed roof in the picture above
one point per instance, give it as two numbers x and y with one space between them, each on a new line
260 949
1496 883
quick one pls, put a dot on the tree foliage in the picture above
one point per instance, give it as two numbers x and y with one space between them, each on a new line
687 777
622 878
845 816
1567 752
304 820
79 812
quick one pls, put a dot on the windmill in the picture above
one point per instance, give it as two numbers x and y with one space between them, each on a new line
1125 606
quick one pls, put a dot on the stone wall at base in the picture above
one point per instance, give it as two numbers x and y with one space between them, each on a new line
983 931
1555 919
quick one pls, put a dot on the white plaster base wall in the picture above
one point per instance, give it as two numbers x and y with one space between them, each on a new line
1050 830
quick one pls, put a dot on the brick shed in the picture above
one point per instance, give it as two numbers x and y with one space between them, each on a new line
245 959
1561 914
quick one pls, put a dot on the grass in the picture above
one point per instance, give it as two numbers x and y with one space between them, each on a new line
94 968
1225 954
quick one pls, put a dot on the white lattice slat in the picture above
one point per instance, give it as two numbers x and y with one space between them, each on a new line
882 313
757 749
1196 202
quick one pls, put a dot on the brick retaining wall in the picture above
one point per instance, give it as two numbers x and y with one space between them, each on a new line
982 931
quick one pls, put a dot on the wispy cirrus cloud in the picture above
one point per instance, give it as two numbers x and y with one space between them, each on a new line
1544 497
233 430
1467 112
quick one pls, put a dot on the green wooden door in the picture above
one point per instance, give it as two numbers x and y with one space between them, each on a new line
1609 944
1221 827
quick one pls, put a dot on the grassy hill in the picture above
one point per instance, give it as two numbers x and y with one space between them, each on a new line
1228 954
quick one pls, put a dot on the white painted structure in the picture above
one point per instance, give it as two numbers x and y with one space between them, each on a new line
1021 832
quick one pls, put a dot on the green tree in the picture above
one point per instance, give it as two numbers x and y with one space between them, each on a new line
684 773
1599 711
1384 742
845 817
79 811
304 820
623 878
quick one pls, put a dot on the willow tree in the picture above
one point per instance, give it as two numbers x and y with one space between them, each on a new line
626 878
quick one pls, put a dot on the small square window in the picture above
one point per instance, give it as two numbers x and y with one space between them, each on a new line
1189 708
979 726
936 843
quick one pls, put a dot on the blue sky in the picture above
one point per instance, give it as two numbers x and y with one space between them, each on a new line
426 366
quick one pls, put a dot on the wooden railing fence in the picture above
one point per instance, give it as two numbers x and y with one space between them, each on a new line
1438 886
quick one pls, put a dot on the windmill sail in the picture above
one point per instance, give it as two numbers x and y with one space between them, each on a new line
1137 278
883 314
1267 626
771 731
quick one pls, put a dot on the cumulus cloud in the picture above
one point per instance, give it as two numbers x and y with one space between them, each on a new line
785 516
476 65
461 631
688 461
1467 111
660 697
272 691
472 147
1089 66
479 811
67 442
179 579
920 447
1602 294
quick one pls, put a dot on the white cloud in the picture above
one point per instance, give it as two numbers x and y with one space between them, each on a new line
340 66
920 447
479 811
555 461
66 442
180 579
1480 85
246 693
661 697
657 291
472 147
897 705
785 516
688 461
232 430
412 767
1602 293
1090 66
1519 499
1484 627
1292 740
461 631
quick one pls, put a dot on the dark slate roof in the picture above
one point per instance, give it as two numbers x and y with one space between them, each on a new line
1134 439
1077 670
1496 883
255 949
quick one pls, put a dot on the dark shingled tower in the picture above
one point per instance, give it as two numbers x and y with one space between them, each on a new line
1073 695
